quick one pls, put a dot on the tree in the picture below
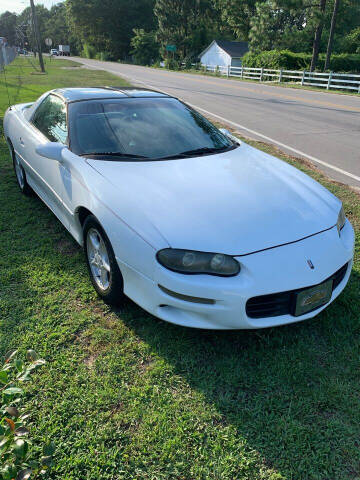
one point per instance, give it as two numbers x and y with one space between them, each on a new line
188 24
25 20
7 27
56 27
266 26
107 25
317 37
351 43
277 24
145 47
331 34
237 16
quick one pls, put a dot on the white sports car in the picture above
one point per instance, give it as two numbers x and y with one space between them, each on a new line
194 226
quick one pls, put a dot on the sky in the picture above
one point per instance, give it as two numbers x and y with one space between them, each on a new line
18 6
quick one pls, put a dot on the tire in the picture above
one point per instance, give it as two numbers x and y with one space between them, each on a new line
103 269
20 174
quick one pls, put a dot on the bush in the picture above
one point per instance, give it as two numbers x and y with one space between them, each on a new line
188 63
88 51
172 64
345 62
277 59
18 458
145 47
103 56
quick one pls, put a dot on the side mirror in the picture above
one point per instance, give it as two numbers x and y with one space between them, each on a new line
52 150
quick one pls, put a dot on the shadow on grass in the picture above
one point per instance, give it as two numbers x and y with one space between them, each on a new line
291 392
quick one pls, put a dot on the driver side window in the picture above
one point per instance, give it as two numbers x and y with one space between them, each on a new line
50 119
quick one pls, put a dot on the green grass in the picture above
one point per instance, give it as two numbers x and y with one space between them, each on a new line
127 396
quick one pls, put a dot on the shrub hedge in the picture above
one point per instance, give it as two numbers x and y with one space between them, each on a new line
276 59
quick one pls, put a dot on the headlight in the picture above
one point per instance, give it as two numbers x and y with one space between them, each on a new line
341 220
189 261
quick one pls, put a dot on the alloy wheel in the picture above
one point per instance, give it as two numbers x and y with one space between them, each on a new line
98 259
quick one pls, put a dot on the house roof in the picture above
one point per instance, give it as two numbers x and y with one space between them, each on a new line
234 49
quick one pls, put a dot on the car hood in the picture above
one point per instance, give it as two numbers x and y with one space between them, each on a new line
237 202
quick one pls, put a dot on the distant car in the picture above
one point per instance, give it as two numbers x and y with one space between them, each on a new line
198 229
54 51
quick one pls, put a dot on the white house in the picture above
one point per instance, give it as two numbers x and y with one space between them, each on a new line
224 53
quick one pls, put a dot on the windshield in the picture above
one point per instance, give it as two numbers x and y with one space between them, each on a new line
147 128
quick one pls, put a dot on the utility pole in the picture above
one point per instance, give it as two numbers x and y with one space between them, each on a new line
331 34
37 35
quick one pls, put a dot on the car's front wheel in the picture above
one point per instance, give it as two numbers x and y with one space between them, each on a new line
103 269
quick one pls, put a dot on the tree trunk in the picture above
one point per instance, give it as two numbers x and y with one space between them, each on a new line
317 38
331 34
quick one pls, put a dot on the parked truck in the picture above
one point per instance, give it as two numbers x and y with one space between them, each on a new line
64 50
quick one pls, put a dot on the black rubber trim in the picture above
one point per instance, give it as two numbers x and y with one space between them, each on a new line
187 298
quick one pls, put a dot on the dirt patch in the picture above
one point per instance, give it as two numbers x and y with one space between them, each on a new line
90 361
66 247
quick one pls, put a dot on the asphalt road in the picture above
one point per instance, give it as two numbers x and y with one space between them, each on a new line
321 127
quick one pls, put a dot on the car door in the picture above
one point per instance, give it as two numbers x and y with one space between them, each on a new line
48 124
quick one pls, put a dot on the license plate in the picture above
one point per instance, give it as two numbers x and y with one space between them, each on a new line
312 298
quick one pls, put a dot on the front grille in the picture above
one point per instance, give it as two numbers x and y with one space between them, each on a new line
282 303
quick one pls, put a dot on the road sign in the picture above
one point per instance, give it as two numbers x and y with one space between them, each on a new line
48 42
171 48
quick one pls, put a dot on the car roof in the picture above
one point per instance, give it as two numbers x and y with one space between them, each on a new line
78 94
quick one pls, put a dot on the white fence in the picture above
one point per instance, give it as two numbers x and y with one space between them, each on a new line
7 55
328 80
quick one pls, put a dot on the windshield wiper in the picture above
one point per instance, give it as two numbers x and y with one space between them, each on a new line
198 151
112 154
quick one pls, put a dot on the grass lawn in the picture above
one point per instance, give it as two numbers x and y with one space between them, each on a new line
127 396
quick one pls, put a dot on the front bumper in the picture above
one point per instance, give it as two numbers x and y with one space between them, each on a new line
275 270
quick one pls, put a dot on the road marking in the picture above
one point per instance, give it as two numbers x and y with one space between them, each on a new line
254 132
280 144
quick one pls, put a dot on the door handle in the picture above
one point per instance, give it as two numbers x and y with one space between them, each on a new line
22 142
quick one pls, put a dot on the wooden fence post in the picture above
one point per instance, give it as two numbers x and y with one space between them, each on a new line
280 75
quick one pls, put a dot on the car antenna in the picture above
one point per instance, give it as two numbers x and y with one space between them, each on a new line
6 85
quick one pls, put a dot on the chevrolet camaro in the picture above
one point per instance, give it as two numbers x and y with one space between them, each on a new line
196 227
